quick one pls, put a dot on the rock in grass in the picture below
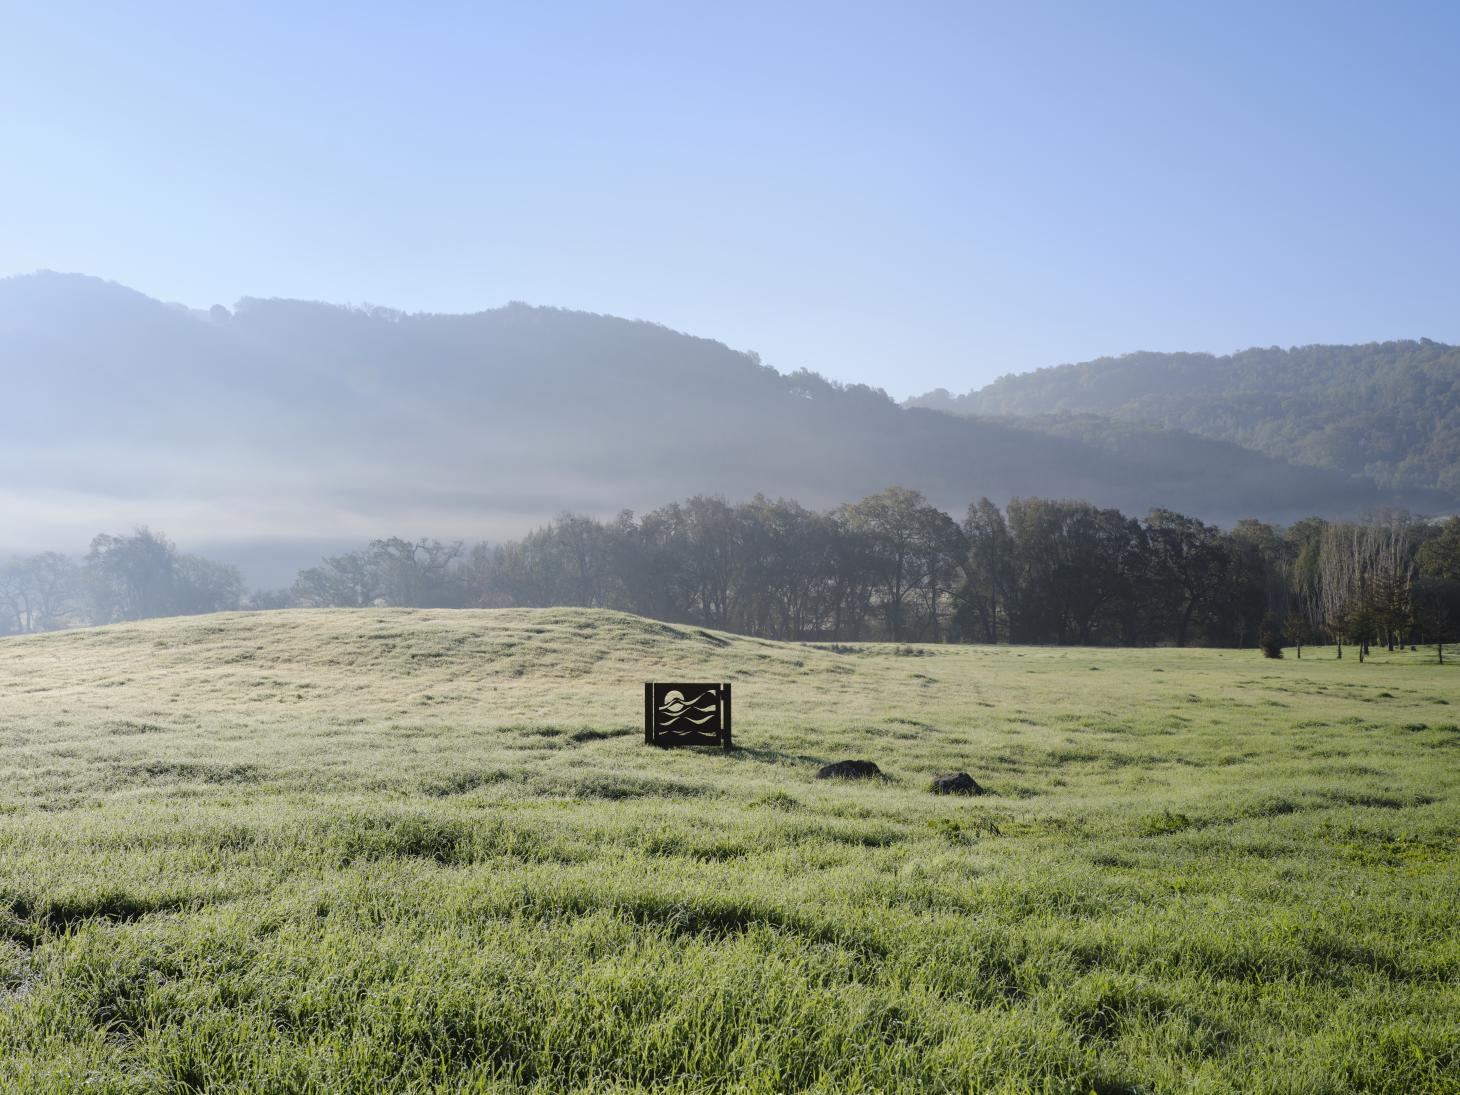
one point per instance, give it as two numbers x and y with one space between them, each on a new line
850 769
955 783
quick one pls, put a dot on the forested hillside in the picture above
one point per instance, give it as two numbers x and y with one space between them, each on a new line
303 422
1388 411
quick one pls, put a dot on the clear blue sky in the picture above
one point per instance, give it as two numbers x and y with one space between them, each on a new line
909 195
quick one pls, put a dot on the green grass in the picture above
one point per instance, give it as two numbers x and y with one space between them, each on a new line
428 851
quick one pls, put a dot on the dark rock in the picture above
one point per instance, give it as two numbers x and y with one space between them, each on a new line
850 769
955 783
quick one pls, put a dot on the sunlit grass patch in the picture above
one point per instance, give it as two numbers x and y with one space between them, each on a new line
408 850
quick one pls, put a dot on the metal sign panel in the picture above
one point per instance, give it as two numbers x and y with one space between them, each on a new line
686 714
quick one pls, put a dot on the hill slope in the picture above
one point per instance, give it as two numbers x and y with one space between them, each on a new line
1387 411
297 420
354 850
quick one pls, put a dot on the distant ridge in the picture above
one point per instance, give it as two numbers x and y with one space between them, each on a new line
1388 412
298 422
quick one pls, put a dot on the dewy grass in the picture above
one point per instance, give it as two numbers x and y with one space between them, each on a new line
427 851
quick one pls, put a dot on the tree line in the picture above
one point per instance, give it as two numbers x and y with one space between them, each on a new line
891 567
126 577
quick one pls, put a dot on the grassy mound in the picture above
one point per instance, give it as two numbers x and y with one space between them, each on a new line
354 851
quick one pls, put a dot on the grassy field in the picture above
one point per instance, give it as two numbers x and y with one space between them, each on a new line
428 851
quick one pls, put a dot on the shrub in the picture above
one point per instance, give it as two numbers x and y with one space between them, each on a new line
1270 638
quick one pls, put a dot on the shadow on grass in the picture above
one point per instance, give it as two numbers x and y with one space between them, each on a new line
748 755
53 915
